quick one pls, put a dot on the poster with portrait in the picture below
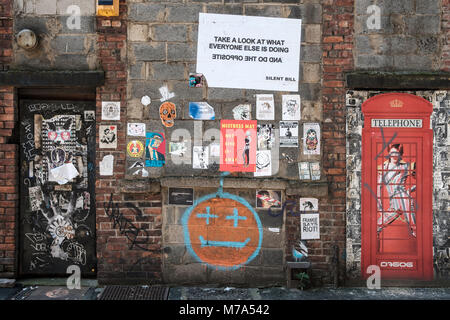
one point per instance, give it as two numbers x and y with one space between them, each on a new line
155 149
291 107
311 138
268 199
108 136
200 157
265 107
238 145
289 134
266 136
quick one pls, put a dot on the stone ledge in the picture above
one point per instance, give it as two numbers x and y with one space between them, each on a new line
397 80
140 186
316 188
38 78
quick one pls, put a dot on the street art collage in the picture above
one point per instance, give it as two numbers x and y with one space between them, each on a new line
398 186
57 180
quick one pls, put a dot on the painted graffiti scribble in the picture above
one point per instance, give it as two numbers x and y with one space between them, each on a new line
138 237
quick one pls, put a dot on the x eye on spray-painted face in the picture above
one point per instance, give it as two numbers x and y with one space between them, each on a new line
223 232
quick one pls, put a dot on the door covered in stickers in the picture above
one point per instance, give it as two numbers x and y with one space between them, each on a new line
57 183
397 186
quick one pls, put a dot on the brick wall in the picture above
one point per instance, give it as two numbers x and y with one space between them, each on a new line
337 58
128 222
9 193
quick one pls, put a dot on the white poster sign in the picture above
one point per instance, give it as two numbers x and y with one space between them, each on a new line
310 228
248 52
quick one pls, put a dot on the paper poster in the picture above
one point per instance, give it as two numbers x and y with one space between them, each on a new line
309 204
108 136
181 196
136 129
36 198
263 163
248 52
242 112
311 138
63 174
107 165
266 136
195 80
291 107
214 150
289 134
315 170
200 157
310 226
135 148
111 110
303 170
177 148
238 145
201 111
155 149
89 115
265 107
268 199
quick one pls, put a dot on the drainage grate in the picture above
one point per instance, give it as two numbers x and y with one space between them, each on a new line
134 293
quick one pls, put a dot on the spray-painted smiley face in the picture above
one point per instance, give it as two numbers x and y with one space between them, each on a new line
222 232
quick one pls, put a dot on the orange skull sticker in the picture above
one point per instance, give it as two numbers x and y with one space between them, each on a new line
168 113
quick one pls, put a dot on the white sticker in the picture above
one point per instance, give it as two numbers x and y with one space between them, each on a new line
136 129
111 110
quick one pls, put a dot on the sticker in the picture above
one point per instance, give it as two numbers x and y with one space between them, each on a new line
310 226
195 80
135 148
289 134
311 136
177 148
238 145
275 230
315 170
108 136
64 173
266 136
242 112
263 163
214 150
145 100
136 129
110 110
303 171
36 198
155 149
168 113
166 95
201 111
309 204
89 115
107 165
265 107
291 107
200 159
181 196
268 199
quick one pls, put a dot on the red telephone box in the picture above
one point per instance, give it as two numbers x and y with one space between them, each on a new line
397 177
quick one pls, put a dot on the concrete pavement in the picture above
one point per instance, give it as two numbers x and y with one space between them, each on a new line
59 292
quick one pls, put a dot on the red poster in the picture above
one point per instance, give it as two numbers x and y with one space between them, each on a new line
238 145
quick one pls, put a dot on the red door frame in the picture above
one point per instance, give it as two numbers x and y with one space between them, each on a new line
397 106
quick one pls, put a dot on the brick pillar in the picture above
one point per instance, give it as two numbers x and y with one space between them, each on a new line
9 152
337 41
128 224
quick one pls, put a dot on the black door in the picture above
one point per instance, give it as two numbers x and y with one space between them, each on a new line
57 185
